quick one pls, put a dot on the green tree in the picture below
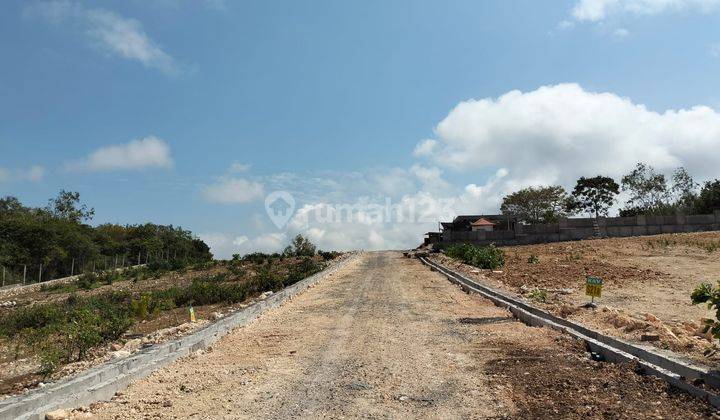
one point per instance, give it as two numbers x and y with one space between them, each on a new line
302 247
537 204
594 195
648 190
709 198
684 191
67 206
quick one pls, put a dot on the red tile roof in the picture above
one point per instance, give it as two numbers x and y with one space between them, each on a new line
482 222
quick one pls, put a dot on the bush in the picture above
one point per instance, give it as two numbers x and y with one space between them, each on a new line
329 255
487 257
705 293
306 268
538 295
533 259
86 281
62 332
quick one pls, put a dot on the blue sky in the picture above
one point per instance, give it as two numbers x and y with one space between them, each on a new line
191 112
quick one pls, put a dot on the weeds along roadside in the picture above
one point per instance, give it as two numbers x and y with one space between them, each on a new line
66 331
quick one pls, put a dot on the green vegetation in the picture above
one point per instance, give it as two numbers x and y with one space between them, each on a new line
705 293
65 331
488 257
533 259
537 204
594 195
538 295
58 237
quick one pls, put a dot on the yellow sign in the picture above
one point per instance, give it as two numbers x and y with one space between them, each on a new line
593 287
192 314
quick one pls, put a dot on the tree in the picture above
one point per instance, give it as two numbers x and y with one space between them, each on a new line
302 247
648 190
683 190
709 198
537 204
67 206
594 195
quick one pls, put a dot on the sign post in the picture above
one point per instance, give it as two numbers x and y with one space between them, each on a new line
593 288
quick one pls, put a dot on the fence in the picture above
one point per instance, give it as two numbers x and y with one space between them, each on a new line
586 228
36 273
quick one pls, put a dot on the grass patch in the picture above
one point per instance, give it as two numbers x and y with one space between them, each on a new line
487 257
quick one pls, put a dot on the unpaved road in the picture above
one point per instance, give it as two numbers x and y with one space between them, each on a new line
386 338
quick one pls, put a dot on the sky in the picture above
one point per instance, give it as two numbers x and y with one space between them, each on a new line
373 119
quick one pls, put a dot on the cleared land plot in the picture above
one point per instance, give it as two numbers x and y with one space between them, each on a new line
648 282
387 338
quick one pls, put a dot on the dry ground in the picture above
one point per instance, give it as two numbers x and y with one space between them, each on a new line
648 282
387 338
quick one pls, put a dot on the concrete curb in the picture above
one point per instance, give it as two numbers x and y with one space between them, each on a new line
102 382
674 371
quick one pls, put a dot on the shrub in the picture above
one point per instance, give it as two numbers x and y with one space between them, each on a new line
307 267
86 281
140 307
488 257
538 295
705 293
329 255
533 259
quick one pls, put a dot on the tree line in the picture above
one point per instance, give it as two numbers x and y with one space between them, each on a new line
59 237
649 192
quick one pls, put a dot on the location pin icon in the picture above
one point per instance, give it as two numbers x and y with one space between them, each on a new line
280 206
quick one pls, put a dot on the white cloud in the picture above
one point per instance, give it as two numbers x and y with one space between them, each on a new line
109 31
233 190
224 246
597 10
34 173
621 33
557 133
148 152
236 167
4 175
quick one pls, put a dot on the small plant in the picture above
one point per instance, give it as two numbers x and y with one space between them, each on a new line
705 293
87 281
533 259
140 307
488 257
538 295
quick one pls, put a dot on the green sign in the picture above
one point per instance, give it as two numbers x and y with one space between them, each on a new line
593 287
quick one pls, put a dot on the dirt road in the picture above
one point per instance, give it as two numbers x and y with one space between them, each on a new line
387 338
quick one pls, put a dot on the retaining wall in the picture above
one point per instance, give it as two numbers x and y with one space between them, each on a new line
583 228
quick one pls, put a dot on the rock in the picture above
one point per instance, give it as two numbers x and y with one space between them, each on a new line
649 337
167 403
651 318
119 354
669 332
132 344
215 316
116 346
57 415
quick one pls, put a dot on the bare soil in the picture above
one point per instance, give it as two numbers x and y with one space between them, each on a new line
647 285
387 338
